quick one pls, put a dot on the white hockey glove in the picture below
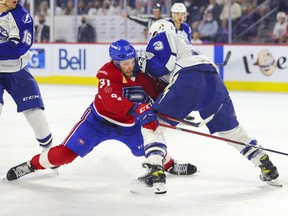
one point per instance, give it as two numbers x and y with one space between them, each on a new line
142 64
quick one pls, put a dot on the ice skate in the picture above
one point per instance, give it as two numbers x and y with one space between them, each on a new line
19 171
269 173
181 169
154 180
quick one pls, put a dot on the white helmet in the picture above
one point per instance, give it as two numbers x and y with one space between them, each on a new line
178 8
281 14
160 26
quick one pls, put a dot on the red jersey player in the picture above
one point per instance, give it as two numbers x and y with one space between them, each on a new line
121 112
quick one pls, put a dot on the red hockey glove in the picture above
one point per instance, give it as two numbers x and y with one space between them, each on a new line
147 117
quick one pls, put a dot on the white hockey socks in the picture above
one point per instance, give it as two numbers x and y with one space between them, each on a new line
39 124
154 146
239 134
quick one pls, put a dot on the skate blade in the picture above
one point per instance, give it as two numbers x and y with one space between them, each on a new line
159 188
139 187
55 170
275 183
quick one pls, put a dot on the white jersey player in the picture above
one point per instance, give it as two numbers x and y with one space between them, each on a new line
16 38
195 85
178 17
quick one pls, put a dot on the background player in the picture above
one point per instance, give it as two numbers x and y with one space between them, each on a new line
121 112
16 38
195 85
179 14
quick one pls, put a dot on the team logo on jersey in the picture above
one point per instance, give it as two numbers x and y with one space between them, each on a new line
266 62
3 34
107 89
81 141
135 94
158 45
26 18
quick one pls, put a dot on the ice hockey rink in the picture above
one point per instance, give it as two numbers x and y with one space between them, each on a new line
226 184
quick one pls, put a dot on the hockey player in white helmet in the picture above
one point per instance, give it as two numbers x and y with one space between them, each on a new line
194 84
16 38
161 26
178 14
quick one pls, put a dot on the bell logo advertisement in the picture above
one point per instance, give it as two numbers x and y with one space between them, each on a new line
38 59
74 60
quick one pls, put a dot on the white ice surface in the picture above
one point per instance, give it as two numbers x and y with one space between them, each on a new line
98 184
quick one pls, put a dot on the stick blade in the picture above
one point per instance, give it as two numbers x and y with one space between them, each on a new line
274 183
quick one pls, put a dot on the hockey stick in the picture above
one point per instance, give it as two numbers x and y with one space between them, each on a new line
220 138
193 124
228 55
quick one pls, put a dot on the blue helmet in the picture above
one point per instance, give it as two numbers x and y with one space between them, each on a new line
121 50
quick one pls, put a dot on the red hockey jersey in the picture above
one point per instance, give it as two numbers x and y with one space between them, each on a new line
117 94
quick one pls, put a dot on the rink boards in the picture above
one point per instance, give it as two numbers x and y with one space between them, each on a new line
250 67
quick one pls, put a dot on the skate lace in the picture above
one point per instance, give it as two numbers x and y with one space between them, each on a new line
180 168
21 170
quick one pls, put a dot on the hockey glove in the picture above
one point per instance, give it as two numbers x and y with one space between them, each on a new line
142 64
147 117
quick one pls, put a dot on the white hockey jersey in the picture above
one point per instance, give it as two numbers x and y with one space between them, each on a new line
167 53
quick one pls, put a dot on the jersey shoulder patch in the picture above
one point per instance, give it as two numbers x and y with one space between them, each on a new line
158 42
22 17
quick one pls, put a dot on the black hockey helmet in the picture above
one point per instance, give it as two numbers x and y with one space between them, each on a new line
157 6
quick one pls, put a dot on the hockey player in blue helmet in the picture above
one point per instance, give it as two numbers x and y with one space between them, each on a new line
122 50
120 111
